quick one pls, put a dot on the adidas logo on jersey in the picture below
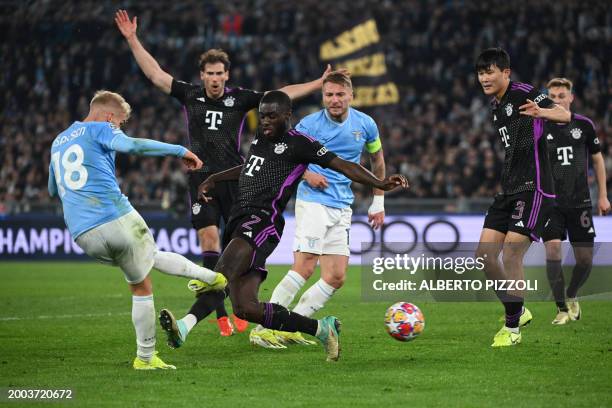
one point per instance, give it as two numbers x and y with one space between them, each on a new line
201 99
549 137
248 234
520 224
591 230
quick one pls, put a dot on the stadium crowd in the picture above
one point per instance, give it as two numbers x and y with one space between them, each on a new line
56 54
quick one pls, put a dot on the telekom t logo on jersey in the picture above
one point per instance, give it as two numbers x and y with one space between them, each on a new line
213 119
254 164
504 134
565 154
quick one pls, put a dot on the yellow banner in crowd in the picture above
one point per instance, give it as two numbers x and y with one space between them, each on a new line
359 50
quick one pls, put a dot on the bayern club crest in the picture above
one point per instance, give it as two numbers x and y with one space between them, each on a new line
195 208
576 133
229 101
509 109
280 148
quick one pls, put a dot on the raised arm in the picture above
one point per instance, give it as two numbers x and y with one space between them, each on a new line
603 204
359 174
146 62
300 90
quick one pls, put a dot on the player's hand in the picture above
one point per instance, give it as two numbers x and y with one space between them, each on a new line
530 109
192 161
127 27
393 182
329 70
376 220
376 212
205 187
604 206
315 180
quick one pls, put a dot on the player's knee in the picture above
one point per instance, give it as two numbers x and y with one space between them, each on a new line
250 311
511 258
209 238
553 251
305 264
584 259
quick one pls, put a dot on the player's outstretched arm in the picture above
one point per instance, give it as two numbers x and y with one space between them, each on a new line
557 113
603 204
147 147
210 183
360 174
146 62
300 90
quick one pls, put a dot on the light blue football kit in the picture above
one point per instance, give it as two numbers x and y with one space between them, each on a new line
82 172
347 140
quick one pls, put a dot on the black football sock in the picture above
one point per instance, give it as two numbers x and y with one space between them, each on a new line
554 270
206 303
277 317
580 274
209 260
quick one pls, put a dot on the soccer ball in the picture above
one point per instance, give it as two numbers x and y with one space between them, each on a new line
404 321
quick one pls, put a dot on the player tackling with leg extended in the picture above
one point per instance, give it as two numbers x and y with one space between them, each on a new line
275 163
325 196
518 213
216 116
569 148
102 221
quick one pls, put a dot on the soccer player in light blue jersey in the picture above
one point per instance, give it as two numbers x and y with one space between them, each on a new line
103 222
323 207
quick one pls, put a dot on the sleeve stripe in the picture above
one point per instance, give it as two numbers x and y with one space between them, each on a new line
374 146
580 117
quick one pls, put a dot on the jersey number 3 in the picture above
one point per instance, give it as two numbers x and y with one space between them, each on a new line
75 174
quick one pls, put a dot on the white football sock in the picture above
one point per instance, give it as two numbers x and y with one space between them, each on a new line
314 298
177 265
285 291
190 321
143 317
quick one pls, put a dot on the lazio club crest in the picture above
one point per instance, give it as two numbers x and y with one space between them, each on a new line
576 133
358 135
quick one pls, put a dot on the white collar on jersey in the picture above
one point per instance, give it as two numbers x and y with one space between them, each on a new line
338 123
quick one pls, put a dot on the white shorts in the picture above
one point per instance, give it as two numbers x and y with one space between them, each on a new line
321 230
125 242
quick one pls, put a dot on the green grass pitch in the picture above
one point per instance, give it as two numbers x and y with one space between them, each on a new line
68 325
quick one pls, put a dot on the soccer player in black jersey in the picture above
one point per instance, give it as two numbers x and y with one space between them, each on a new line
216 116
273 168
516 215
569 147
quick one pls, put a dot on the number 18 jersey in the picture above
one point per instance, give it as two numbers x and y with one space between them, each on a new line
82 170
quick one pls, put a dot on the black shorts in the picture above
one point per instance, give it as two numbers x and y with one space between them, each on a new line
524 213
207 214
257 228
577 222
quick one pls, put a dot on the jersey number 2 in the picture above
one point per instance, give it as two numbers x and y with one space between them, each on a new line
72 162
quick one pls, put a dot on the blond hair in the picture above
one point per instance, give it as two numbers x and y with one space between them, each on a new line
564 82
339 78
112 100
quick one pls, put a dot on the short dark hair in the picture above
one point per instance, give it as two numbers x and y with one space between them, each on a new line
278 97
213 56
493 56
